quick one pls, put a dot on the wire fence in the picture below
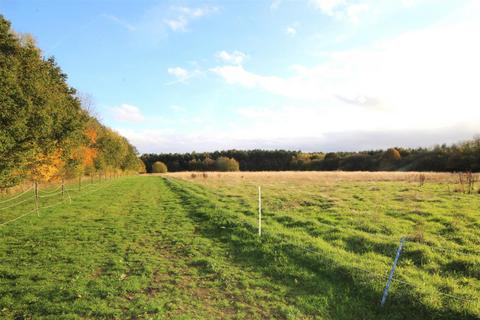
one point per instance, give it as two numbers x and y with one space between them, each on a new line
35 197
50 191
16 196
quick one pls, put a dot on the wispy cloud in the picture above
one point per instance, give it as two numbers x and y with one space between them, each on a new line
275 4
179 73
182 75
128 113
234 57
177 108
182 16
329 7
290 31
343 9
121 22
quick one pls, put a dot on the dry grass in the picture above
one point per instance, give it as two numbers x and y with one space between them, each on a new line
322 176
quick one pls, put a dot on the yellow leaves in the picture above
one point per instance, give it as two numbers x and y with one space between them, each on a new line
47 167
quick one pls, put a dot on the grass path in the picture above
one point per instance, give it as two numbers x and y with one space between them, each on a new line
155 248
128 251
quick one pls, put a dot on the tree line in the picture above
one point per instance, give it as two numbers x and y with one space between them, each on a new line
464 156
45 133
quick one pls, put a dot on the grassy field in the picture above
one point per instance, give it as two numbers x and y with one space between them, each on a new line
185 246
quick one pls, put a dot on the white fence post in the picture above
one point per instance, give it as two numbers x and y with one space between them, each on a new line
259 212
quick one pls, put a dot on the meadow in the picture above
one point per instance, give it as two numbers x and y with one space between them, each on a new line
186 246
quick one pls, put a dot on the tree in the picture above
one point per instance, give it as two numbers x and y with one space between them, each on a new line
141 166
392 154
208 164
14 105
159 167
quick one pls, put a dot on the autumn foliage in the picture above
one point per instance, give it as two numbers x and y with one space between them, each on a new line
46 133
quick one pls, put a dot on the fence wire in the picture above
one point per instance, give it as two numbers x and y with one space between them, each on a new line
17 203
17 196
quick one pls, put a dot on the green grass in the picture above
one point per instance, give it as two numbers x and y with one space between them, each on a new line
156 248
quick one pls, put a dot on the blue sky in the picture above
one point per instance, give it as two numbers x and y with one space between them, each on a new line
315 75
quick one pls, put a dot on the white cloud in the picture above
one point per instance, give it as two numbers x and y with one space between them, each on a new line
178 72
266 132
275 4
290 31
127 112
177 108
355 11
235 57
183 75
343 9
408 3
178 24
184 15
422 80
329 7
298 86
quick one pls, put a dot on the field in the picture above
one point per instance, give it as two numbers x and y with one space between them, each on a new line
185 246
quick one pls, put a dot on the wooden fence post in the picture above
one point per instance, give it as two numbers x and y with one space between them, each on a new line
36 197
63 188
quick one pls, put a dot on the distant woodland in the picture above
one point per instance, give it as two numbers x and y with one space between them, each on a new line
464 156
46 130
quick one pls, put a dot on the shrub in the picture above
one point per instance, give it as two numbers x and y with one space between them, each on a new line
159 167
227 164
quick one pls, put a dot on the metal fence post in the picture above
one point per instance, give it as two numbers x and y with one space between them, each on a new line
390 277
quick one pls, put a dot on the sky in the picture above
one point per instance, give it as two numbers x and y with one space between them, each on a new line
310 75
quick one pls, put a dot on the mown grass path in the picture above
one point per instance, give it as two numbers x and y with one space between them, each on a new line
128 251
155 248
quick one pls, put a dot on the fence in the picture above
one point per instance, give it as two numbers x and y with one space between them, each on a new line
36 196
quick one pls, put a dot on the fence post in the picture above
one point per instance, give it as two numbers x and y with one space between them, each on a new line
36 196
390 277
259 212
63 188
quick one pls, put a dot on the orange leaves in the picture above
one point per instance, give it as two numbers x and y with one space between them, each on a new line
85 155
91 134
89 155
